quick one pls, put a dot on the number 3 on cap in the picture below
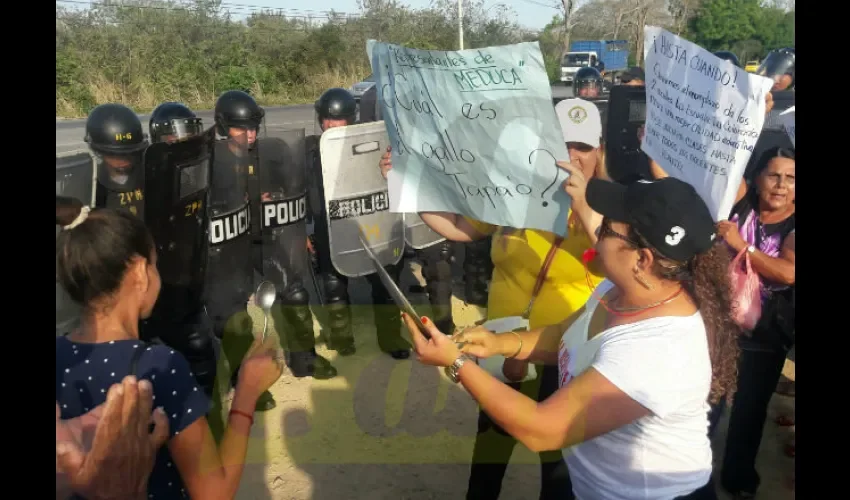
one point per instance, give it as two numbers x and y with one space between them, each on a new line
675 236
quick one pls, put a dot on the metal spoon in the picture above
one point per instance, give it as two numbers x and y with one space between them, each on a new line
264 299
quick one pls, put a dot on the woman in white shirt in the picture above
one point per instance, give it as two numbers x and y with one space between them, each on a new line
635 374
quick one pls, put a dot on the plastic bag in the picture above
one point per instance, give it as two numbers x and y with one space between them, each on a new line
746 291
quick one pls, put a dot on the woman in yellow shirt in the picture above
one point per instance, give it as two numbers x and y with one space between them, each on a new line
518 258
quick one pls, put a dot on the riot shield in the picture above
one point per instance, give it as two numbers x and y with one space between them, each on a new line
282 174
772 133
356 194
177 177
75 177
626 114
417 234
230 272
370 106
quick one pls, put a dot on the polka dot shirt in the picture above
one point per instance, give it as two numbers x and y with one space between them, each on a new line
84 373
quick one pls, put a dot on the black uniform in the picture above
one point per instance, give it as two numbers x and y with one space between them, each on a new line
477 270
340 104
114 133
230 271
436 259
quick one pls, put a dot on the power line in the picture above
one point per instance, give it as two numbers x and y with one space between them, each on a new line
349 23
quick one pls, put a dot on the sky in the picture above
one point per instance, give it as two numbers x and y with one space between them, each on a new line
532 14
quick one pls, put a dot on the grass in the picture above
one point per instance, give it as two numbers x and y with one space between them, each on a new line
143 96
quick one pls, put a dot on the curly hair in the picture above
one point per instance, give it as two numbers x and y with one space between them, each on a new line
706 278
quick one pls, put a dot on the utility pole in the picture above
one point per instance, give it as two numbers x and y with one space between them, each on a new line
460 23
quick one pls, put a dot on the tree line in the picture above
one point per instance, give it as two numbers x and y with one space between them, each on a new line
144 52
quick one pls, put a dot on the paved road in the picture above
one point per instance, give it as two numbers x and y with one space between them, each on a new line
70 133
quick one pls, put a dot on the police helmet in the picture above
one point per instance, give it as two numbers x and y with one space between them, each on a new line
114 129
729 56
779 62
337 104
587 83
176 120
237 109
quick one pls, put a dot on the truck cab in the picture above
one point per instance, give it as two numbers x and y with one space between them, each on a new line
573 61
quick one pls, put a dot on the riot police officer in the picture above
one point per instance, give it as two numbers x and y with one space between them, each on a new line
230 271
587 83
173 121
114 134
436 259
780 66
337 108
728 56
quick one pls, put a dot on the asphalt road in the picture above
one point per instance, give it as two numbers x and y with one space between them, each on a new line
70 133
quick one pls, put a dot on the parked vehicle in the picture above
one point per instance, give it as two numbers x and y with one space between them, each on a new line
608 56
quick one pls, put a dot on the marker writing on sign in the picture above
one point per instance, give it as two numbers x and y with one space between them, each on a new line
557 171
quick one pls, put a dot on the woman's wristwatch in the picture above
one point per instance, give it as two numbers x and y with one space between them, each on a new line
453 369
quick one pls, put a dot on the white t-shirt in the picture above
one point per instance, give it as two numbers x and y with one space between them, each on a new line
663 364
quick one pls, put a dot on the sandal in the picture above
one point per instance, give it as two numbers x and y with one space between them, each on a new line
785 421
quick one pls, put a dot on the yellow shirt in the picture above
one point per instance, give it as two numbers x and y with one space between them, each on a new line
518 256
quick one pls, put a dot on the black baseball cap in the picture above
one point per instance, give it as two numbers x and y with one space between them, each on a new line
667 212
633 73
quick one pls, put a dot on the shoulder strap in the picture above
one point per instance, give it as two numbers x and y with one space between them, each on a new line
541 277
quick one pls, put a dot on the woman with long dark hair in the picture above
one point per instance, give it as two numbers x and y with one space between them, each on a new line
762 223
637 373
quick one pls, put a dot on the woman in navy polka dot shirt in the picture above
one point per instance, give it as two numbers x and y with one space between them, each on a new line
106 261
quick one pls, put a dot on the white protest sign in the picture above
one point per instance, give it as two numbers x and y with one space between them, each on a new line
787 118
474 132
704 116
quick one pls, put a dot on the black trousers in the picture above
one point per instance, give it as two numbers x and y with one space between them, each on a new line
494 447
758 373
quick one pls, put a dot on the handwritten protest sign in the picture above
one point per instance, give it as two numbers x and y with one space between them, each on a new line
474 132
788 120
704 115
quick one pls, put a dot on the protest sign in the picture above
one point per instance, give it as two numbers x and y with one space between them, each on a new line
473 132
787 118
704 116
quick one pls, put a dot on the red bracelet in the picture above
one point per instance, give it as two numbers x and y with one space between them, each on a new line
246 415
